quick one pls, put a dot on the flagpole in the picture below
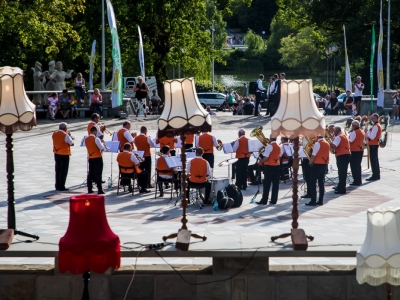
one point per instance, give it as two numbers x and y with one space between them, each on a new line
388 52
103 49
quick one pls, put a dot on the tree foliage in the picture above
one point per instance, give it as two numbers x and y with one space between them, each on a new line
254 42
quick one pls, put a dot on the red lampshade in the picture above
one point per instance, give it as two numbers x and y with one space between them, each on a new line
89 244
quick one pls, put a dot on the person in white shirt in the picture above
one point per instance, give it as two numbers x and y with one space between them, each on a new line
164 172
358 88
270 92
94 148
286 159
259 91
373 135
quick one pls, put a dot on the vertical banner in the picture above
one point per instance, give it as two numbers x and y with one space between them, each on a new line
379 102
92 65
116 96
348 76
141 54
371 67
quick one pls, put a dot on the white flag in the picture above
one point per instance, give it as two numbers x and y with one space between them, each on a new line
141 54
379 102
348 76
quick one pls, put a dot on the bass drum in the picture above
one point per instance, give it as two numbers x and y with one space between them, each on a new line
218 184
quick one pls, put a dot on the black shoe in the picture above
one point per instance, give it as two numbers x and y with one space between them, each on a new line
90 192
311 203
262 202
334 188
103 181
340 193
355 184
272 203
320 203
100 192
372 179
63 190
161 195
130 188
253 183
306 196
142 191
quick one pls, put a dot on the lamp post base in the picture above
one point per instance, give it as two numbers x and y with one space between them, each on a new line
184 246
6 238
299 238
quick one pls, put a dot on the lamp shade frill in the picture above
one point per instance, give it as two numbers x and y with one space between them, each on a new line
89 243
378 260
297 114
16 110
182 111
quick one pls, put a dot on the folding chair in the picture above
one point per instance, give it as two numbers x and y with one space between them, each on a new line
160 180
122 175
197 198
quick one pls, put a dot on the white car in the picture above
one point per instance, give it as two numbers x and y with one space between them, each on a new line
211 99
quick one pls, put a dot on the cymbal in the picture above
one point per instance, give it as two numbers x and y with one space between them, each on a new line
227 162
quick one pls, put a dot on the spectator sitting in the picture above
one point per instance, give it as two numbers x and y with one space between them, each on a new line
238 110
97 103
248 108
208 109
64 103
155 102
327 105
52 103
73 107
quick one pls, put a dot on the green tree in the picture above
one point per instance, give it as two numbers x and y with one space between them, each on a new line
254 42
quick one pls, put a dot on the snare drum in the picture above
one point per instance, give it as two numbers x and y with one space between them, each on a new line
218 184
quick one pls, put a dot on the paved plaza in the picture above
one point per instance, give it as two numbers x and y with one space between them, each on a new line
340 222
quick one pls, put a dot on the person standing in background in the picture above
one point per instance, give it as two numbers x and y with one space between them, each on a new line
260 90
358 88
245 90
79 84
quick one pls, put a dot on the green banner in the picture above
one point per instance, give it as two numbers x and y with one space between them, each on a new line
117 76
371 68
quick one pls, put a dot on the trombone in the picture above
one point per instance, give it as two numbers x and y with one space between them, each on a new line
105 130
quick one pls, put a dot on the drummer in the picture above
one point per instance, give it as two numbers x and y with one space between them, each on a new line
198 170
208 142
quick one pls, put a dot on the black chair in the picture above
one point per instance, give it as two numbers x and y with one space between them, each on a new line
127 175
287 167
160 181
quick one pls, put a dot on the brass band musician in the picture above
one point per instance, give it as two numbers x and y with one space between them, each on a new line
318 162
374 134
199 171
356 139
243 156
143 143
305 167
95 118
95 154
208 142
167 141
125 136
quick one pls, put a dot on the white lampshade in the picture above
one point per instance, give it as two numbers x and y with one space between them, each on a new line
378 260
16 110
297 114
182 110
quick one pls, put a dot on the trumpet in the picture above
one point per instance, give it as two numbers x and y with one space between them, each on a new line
72 137
105 130
140 159
219 148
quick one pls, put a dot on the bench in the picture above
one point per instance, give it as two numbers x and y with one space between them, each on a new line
82 111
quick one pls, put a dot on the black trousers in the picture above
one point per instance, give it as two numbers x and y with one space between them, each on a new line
173 152
317 173
355 166
188 146
207 186
141 178
146 166
258 100
271 176
210 158
306 173
250 172
241 172
95 173
177 182
62 165
342 163
373 152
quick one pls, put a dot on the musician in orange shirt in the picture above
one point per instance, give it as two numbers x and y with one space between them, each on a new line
356 139
208 142
318 162
243 156
374 134
198 171
341 145
143 143
94 148
165 172
61 147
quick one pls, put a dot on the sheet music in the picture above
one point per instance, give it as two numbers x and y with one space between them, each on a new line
114 137
228 148
178 144
254 145
138 152
83 144
112 146
173 161
189 155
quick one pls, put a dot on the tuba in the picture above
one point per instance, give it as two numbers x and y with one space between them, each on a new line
383 121
308 147
257 132
329 138
219 148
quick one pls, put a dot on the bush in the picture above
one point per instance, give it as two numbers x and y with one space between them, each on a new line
206 86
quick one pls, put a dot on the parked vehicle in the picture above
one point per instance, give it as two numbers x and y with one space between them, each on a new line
211 99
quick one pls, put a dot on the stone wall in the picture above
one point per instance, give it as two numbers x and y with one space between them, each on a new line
319 282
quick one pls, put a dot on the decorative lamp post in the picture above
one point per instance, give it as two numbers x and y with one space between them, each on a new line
378 260
16 112
182 114
297 115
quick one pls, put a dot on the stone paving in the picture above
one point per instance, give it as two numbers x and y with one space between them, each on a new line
43 211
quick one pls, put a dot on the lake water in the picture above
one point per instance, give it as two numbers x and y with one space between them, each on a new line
235 81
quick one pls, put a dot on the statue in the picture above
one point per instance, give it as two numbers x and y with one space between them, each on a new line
39 80
50 83
59 76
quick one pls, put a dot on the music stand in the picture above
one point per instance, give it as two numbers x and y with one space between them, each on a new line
83 144
113 147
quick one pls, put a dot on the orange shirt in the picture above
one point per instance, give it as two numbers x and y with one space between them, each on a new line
375 141
189 138
198 170
124 160
322 156
206 142
89 127
92 149
358 144
142 144
60 147
343 147
122 140
273 158
169 141
242 151
162 167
